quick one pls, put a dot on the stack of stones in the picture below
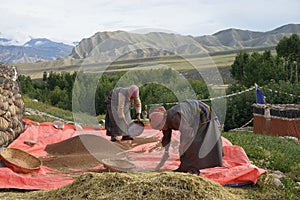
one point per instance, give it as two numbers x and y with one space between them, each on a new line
11 105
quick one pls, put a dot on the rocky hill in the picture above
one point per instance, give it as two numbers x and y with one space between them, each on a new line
32 51
231 39
111 45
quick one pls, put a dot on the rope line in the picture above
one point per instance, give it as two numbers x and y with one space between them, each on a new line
208 99
230 95
247 123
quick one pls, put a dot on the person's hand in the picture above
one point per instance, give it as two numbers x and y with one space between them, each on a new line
165 141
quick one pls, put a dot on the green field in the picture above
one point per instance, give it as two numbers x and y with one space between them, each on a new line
180 63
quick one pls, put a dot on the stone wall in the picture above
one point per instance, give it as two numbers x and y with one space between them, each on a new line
11 105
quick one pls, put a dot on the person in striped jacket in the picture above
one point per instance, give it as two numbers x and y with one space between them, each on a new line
200 140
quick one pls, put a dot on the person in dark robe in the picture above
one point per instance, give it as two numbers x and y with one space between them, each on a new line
200 140
118 115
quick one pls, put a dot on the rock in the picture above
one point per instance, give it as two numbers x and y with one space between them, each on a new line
30 142
277 183
277 174
58 124
27 113
78 127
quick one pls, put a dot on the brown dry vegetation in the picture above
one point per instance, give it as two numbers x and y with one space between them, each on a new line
150 185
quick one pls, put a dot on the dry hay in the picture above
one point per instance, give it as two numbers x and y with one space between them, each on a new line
151 185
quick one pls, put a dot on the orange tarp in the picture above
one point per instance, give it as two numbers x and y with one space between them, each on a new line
146 155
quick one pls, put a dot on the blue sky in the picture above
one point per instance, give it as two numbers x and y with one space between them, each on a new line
73 20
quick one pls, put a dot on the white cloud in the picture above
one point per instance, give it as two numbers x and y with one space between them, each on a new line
72 20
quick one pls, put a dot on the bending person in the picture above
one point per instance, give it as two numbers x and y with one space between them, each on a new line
118 116
200 140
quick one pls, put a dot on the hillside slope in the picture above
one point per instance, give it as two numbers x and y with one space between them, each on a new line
103 48
112 45
240 39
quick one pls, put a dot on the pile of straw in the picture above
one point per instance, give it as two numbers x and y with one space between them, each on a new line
151 185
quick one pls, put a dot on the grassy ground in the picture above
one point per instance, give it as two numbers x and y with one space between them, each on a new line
40 108
35 70
185 63
279 156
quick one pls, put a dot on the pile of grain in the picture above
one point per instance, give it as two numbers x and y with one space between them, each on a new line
151 185
79 152
11 105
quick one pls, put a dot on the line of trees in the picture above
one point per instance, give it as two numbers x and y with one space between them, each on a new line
288 49
258 68
156 86
278 74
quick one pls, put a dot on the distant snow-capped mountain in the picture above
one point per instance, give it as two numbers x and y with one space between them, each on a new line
15 39
44 43
9 42
38 49
4 41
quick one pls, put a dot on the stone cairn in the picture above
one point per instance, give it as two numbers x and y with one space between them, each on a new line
11 105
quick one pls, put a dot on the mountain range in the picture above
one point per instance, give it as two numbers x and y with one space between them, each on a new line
108 46
240 39
40 49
